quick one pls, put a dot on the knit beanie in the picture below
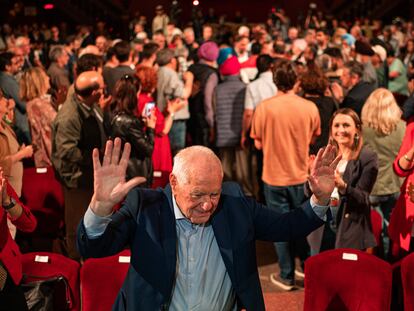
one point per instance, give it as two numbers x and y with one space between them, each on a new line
208 51
230 67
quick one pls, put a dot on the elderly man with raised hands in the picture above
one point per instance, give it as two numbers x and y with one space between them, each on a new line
192 243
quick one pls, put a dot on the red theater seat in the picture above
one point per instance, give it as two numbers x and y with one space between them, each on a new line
43 195
407 276
55 265
376 220
347 279
101 280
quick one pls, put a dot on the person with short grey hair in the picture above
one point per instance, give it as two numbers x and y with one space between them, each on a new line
358 89
56 52
169 86
59 75
192 243
164 57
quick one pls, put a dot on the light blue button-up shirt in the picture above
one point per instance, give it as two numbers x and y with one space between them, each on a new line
202 281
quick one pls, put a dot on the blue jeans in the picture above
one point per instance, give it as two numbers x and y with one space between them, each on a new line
284 200
177 136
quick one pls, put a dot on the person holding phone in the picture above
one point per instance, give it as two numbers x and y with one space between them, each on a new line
161 156
138 131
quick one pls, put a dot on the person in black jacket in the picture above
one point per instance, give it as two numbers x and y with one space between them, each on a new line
314 85
355 176
138 132
358 90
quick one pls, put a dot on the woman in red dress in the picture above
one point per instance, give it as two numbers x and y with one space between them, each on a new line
161 156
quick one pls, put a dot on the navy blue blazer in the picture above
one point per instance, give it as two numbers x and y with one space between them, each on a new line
146 223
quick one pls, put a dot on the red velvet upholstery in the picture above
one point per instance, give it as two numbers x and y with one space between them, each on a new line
57 265
101 280
43 195
376 220
335 284
407 276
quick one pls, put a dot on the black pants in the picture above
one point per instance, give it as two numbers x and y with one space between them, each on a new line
12 297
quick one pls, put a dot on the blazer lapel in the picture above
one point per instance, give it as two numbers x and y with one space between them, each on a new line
220 224
168 237
351 171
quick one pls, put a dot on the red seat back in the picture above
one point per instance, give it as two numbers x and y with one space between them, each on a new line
56 265
101 280
407 276
43 195
376 220
347 279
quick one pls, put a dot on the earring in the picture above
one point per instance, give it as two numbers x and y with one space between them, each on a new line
356 140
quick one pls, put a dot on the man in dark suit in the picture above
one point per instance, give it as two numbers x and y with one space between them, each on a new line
359 90
193 243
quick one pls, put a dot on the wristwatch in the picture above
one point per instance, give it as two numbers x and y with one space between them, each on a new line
10 205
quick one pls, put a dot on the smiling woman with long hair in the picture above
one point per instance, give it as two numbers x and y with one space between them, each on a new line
354 178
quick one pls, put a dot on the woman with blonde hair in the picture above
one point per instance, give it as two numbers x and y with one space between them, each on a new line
383 131
34 86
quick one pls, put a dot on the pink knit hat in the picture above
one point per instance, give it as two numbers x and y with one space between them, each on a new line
209 51
230 67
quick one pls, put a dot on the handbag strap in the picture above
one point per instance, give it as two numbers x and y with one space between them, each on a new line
57 277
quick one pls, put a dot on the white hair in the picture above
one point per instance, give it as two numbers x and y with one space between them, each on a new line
21 41
189 158
90 49
243 31
188 29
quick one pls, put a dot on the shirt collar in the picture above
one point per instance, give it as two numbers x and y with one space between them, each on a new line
177 212
266 75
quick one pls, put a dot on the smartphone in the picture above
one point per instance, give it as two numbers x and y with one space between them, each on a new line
148 108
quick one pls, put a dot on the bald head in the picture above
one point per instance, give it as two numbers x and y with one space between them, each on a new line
196 162
90 49
88 82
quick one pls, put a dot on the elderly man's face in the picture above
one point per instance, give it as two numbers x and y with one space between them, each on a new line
198 199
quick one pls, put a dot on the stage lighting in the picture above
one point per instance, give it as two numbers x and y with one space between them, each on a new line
49 6
196 2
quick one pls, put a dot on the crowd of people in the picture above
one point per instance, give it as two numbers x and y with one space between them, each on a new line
263 97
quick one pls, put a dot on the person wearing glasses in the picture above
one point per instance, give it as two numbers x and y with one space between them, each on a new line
193 242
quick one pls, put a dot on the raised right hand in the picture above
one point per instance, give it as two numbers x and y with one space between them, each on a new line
109 177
